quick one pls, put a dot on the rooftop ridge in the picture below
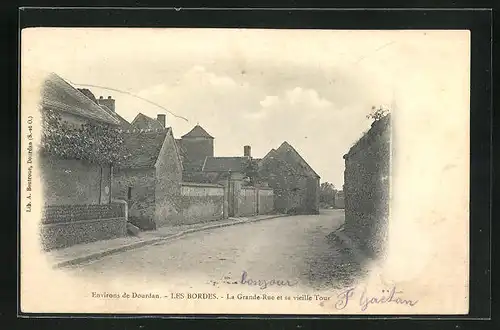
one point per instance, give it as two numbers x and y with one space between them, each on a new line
197 131
145 130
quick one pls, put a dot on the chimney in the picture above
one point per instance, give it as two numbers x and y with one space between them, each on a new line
162 119
109 102
247 151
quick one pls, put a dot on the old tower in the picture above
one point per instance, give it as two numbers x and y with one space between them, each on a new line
197 145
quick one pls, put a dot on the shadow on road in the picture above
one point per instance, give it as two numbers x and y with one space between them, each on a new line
333 266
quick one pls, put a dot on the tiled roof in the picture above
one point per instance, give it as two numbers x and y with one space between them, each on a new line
124 124
269 154
144 122
224 164
198 131
266 158
180 147
88 93
141 149
59 95
286 147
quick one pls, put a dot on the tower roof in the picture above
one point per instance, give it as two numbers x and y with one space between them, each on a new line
197 131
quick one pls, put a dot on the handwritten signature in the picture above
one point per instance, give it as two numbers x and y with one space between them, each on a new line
390 296
261 283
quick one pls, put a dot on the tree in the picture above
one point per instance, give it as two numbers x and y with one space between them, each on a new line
327 194
251 171
378 113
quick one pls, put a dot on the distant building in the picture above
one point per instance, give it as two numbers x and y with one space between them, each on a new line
296 185
339 199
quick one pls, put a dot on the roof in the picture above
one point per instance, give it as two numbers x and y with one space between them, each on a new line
59 95
144 122
88 93
124 124
180 147
197 131
141 149
286 147
224 164
268 155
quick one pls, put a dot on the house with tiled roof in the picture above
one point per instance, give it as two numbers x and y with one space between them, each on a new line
215 169
108 105
245 194
71 178
295 183
77 153
149 177
141 121
225 164
73 105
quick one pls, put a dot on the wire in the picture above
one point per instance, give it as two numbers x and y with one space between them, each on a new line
128 93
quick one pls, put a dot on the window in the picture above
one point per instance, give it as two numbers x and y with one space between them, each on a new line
129 193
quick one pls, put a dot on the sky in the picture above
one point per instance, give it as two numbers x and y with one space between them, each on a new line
311 88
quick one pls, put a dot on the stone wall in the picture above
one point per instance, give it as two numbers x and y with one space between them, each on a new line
255 200
141 204
70 181
66 225
200 203
247 202
266 201
366 187
168 183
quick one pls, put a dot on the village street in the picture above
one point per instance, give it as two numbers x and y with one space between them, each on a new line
294 248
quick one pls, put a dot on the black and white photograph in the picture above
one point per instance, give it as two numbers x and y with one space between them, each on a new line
244 171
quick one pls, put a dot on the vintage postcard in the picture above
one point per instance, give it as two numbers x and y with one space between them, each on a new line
244 171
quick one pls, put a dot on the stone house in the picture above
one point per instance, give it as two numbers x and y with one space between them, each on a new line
141 121
73 180
296 185
367 187
150 177
77 153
